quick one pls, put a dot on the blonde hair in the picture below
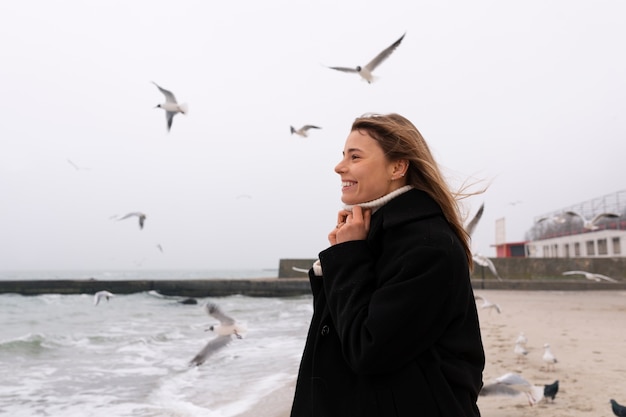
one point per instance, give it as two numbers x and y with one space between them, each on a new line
400 139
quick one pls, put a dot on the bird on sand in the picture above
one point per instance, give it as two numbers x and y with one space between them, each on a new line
548 357
225 330
590 224
170 106
618 409
550 390
520 351
366 71
513 384
140 215
521 339
487 304
591 276
303 131
100 295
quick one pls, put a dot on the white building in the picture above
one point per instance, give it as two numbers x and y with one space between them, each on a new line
559 235
597 244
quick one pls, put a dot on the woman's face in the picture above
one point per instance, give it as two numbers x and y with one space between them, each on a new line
365 171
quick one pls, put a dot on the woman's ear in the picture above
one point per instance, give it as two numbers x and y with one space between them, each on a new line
400 168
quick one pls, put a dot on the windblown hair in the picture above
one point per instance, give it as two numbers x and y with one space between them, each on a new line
400 139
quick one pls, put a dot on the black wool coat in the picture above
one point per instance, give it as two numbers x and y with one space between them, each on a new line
395 330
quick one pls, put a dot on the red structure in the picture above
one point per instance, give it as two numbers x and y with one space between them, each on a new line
511 250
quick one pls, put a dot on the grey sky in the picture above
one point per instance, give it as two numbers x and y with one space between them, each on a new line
528 96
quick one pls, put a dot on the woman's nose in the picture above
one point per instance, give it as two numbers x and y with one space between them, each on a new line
339 168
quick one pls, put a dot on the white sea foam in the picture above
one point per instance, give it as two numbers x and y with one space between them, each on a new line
61 356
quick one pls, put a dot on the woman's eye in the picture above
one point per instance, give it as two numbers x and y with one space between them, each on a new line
354 156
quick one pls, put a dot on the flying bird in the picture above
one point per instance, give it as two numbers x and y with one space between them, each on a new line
590 224
471 225
487 304
141 216
559 219
486 262
225 330
77 167
100 295
591 276
366 71
548 357
618 409
303 130
513 384
170 106
550 390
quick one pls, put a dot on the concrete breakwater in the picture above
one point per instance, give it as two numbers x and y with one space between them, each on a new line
261 287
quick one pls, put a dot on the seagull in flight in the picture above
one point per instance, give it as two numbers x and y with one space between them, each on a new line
590 224
303 130
225 330
366 71
471 225
100 295
141 216
513 384
591 276
486 262
170 106
559 219
487 304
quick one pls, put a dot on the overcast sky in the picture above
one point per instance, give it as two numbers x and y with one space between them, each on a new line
528 96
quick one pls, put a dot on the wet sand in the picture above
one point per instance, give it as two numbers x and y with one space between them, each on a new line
586 332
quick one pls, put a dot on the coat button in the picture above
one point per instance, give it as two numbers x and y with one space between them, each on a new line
325 330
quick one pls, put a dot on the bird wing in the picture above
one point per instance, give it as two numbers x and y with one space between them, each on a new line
169 116
169 96
601 215
575 214
211 347
383 55
214 311
492 268
499 390
604 277
472 223
129 215
575 273
344 69
307 127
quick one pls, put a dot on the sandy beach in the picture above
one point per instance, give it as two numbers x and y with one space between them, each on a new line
585 331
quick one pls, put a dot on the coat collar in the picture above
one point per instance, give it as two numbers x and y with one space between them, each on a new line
412 205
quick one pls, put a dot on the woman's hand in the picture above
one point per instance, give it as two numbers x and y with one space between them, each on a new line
351 225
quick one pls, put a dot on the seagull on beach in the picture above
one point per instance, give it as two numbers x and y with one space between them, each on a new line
550 390
170 106
487 304
618 409
513 384
591 276
521 339
140 215
100 295
225 330
548 357
590 224
303 130
520 351
366 71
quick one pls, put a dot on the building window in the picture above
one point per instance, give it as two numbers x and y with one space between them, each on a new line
591 248
617 247
555 251
566 250
546 251
576 248
602 247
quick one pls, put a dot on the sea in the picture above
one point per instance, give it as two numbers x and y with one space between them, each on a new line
63 355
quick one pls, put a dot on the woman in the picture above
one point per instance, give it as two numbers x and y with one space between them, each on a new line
394 330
